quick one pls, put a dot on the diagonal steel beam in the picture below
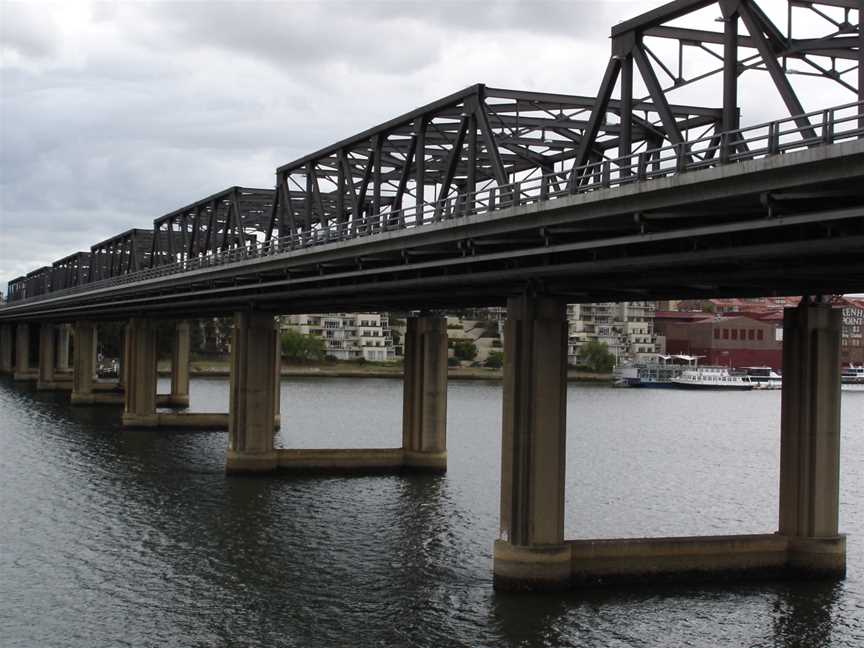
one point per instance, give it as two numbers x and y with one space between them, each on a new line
769 58
656 92
598 115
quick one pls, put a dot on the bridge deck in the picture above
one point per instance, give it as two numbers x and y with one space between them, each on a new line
785 224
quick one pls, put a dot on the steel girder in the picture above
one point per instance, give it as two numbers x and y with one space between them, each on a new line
121 254
73 270
235 217
475 139
38 282
17 289
835 54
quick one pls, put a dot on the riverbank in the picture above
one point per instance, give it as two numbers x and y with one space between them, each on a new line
371 370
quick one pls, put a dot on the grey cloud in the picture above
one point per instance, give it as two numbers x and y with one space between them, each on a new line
28 30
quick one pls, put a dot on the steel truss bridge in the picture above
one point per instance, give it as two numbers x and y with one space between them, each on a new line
624 195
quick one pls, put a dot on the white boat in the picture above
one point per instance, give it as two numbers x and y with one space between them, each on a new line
852 379
712 378
762 377
655 374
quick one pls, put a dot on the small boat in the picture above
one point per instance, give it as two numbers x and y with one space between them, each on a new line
712 378
762 377
852 378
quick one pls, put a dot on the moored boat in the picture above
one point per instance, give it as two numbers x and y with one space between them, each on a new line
718 378
658 373
852 378
762 377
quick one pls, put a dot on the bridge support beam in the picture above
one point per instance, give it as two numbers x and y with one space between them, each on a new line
83 363
530 552
23 370
140 395
424 410
810 440
180 350
6 359
252 408
47 357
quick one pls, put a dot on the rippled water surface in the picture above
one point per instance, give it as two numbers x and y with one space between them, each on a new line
110 537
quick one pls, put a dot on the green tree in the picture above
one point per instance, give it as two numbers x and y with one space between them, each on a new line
595 356
297 347
464 349
495 359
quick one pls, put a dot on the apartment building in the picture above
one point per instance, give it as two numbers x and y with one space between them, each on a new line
626 328
348 336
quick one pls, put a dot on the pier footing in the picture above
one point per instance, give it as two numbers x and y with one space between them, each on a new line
579 564
358 461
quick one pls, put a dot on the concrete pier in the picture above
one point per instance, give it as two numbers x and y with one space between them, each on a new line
47 357
252 408
810 439
180 349
63 336
6 358
23 369
530 551
424 409
83 364
140 353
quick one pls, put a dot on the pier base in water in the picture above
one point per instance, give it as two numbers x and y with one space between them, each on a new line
597 563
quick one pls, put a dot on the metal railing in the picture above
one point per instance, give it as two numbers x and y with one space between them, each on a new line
829 126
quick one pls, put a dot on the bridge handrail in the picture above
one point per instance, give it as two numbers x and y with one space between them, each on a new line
747 143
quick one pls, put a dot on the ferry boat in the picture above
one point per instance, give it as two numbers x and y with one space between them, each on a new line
654 374
712 378
762 377
852 379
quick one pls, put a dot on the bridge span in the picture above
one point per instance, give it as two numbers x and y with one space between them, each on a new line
529 200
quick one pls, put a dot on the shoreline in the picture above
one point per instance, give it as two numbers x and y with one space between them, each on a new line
220 370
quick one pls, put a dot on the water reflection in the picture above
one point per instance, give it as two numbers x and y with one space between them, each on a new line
135 537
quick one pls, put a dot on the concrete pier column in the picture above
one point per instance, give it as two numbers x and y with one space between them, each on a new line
810 439
6 360
140 396
122 365
424 397
277 383
530 552
83 366
23 370
180 365
63 347
252 408
47 357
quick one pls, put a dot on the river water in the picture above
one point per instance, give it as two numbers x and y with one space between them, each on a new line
111 537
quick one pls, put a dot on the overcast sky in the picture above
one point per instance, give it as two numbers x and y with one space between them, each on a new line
114 113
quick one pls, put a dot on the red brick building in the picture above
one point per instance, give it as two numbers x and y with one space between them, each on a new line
749 332
729 340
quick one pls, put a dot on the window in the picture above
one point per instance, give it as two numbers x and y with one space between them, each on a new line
734 334
751 334
716 333
760 334
725 334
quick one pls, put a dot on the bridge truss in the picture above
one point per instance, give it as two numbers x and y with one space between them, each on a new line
483 149
832 51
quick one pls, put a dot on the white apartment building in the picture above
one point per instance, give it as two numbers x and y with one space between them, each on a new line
626 328
348 336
